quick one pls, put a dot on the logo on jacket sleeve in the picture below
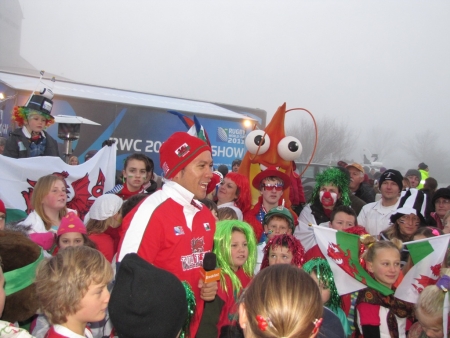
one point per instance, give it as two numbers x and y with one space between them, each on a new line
178 230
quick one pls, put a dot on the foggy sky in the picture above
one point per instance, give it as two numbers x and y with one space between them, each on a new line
368 63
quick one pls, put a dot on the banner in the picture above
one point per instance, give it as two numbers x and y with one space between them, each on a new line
427 255
341 250
85 182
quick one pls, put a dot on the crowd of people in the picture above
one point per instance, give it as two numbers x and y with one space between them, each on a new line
136 265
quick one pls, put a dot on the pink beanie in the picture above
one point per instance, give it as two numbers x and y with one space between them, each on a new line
71 223
178 151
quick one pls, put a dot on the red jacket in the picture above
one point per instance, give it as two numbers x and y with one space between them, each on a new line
169 232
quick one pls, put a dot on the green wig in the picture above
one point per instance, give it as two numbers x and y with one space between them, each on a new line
325 276
222 249
336 177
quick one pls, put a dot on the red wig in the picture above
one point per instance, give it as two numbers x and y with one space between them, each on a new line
288 241
244 200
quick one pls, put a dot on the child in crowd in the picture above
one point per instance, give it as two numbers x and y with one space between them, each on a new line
31 139
226 213
103 219
430 310
278 221
281 301
211 206
72 290
234 246
136 170
342 218
49 203
283 249
320 271
8 329
130 203
378 315
72 232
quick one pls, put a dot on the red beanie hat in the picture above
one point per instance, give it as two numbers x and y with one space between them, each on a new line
2 207
178 151
71 223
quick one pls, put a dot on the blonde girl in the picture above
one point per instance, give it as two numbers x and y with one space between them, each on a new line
49 203
235 248
430 310
377 315
281 301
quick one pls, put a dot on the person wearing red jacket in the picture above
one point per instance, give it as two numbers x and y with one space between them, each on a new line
271 184
171 229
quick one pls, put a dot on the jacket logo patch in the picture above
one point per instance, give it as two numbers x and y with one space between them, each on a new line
207 227
194 260
178 230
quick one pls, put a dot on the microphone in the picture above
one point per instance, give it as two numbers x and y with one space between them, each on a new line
208 272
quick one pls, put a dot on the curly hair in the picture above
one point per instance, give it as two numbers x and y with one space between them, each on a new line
63 280
325 277
244 200
222 249
294 246
20 115
335 177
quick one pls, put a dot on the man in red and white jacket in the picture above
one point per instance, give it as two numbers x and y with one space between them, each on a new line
171 229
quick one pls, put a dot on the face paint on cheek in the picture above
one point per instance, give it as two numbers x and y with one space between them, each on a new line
328 199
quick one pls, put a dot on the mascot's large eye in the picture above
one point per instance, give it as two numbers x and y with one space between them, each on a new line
289 148
256 138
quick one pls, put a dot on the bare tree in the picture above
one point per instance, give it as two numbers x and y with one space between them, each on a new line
336 139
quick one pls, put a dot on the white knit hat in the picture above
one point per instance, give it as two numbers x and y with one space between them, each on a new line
104 207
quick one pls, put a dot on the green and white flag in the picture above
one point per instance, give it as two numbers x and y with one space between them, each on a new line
427 255
341 250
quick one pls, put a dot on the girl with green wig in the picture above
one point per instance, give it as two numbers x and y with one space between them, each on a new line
235 248
320 271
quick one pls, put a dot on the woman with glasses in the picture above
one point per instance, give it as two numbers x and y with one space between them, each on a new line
234 193
406 220
440 205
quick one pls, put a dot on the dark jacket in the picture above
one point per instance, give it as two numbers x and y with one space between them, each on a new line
16 136
366 193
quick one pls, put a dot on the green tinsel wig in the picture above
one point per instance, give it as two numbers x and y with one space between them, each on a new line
222 249
337 178
325 276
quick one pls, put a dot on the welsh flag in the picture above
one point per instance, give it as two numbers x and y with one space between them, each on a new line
342 253
85 182
427 255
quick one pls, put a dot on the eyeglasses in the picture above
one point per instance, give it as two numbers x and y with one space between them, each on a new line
442 201
277 186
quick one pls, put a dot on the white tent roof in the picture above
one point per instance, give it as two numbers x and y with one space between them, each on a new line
70 89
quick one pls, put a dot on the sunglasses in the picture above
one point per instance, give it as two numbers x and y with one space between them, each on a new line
277 186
